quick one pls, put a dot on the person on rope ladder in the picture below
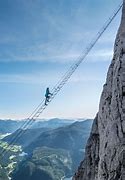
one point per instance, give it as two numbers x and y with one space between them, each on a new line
47 95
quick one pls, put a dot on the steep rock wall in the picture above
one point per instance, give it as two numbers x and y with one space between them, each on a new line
105 150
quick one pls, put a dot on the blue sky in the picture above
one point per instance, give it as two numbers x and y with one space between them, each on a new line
39 40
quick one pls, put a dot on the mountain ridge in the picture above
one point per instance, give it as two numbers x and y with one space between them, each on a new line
10 126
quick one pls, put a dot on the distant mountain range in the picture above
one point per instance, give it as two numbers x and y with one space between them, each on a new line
63 137
71 138
54 147
9 126
27 136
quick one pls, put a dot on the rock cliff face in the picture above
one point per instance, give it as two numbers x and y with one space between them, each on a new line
105 150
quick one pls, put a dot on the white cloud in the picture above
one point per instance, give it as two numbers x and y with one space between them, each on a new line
31 55
26 78
81 79
101 56
41 78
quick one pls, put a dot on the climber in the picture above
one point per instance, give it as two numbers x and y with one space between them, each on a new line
47 95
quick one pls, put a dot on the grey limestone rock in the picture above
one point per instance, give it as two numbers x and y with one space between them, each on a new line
105 150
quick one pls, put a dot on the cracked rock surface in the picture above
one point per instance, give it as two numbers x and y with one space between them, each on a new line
105 150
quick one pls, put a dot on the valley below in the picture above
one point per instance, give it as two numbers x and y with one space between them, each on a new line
49 150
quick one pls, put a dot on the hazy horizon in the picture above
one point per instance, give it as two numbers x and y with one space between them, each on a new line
51 118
